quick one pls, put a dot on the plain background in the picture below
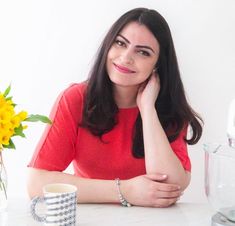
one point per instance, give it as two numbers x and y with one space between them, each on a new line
46 45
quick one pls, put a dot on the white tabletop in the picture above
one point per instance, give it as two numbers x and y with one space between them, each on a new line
181 214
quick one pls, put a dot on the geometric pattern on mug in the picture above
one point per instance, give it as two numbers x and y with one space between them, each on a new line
49 200
61 202
61 213
59 196
67 206
63 221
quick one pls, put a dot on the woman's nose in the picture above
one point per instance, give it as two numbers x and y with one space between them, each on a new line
127 57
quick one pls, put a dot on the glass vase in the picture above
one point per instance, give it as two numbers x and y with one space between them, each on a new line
3 184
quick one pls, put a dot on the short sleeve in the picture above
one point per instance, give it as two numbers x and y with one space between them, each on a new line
179 146
56 148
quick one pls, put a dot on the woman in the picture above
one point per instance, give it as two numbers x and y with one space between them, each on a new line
125 127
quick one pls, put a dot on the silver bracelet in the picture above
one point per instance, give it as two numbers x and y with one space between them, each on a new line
122 200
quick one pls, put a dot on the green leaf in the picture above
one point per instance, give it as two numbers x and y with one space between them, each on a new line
7 91
19 131
9 98
36 118
10 145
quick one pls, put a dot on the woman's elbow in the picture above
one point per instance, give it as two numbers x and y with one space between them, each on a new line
187 179
35 182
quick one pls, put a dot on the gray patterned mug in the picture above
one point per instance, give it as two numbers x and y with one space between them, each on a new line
60 201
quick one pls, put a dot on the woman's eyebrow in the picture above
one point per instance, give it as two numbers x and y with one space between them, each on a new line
138 46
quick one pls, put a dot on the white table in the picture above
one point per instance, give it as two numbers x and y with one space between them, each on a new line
181 214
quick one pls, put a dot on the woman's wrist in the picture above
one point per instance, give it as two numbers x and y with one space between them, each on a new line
122 198
147 111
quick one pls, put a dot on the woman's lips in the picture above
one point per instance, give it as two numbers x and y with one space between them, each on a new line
123 69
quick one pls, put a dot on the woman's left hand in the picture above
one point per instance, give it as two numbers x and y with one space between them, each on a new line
148 92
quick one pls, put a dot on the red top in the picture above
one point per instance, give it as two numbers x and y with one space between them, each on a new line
64 142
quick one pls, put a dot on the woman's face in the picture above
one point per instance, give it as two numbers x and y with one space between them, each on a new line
133 55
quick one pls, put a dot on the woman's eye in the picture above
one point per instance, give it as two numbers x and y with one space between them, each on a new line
144 53
120 43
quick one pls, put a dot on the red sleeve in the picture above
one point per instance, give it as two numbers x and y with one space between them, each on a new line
179 146
56 148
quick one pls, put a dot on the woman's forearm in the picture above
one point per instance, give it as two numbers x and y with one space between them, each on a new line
143 190
159 156
89 190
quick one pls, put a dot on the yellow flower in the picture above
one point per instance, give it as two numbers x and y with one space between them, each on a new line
15 121
23 115
5 115
11 122
5 125
5 137
2 100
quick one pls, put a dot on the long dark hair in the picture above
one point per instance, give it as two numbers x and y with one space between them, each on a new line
100 109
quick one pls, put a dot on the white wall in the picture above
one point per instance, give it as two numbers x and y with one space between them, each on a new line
46 45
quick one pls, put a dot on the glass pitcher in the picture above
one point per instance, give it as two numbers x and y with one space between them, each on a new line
220 178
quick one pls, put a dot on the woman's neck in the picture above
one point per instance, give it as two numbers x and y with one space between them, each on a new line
125 97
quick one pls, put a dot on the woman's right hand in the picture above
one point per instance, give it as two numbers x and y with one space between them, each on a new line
150 190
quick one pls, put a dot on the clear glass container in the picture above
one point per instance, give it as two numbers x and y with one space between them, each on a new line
3 185
220 178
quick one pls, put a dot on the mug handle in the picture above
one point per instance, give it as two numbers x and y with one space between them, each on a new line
34 202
